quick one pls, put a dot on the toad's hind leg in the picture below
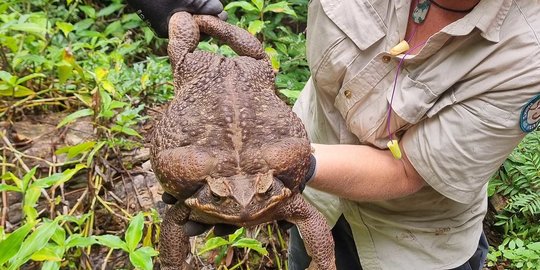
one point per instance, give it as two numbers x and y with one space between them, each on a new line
173 241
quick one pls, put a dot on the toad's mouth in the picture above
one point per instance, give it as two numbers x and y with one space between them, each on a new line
240 199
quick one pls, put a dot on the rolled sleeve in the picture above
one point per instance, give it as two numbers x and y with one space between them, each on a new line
457 150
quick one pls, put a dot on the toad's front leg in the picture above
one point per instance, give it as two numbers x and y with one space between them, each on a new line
173 241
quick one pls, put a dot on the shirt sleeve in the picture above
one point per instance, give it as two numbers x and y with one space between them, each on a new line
458 149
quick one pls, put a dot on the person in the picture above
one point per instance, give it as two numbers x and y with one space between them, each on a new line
410 108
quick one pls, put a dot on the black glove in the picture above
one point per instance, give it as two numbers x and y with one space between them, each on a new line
310 173
193 228
158 12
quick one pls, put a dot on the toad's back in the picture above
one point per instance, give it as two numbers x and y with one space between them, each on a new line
228 107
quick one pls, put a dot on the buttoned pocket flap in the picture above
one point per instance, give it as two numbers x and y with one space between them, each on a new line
357 19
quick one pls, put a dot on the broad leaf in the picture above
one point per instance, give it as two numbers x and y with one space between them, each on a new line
255 26
281 7
213 243
77 240
58 178
142 258
134 231
252 244
112 241
241 4
36 241
65 27
10 246
74 116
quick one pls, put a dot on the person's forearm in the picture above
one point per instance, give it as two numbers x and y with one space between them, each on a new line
363 173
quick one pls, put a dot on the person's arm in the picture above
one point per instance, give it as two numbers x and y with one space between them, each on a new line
363 173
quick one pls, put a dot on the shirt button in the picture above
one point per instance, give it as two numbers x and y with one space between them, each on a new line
386 59
347 93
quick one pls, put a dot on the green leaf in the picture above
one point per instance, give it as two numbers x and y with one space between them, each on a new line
241 4
148 34
65 27
252 244
6 187
49 253
213 243
77 240
112 241
255 26
29 77
109 9
114 28
36 241
10 245
126 130
58 178
134 231
75 150
31 28
259 4
274 57
519 243
17 91
290 93
115 104
27 177
107 85
64 70
93 152
59 236
84 24
14 179
281 7
232 237
50 265
86 99
534 246
88 10
141 258
74 116
31 197
6 77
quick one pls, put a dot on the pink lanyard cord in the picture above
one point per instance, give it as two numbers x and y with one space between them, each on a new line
399 66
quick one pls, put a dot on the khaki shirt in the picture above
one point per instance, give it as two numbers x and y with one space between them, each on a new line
456 109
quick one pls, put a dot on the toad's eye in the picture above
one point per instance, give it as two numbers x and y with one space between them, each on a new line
215 197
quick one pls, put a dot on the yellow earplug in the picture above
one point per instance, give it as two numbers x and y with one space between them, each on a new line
394 148
402 47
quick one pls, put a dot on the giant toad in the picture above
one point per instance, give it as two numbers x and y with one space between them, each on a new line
227 147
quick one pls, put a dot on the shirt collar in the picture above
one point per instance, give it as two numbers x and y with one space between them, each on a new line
487 16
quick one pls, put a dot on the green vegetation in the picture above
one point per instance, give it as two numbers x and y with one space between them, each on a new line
75 64
517 189
94 66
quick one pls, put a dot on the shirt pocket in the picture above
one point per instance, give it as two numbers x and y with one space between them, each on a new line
338 32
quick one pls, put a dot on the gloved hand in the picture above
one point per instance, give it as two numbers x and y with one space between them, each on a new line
193 228
310 174
158 12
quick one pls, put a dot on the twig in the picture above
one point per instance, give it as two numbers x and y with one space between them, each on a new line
104 265
19 154
21 162
4 194
4 59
